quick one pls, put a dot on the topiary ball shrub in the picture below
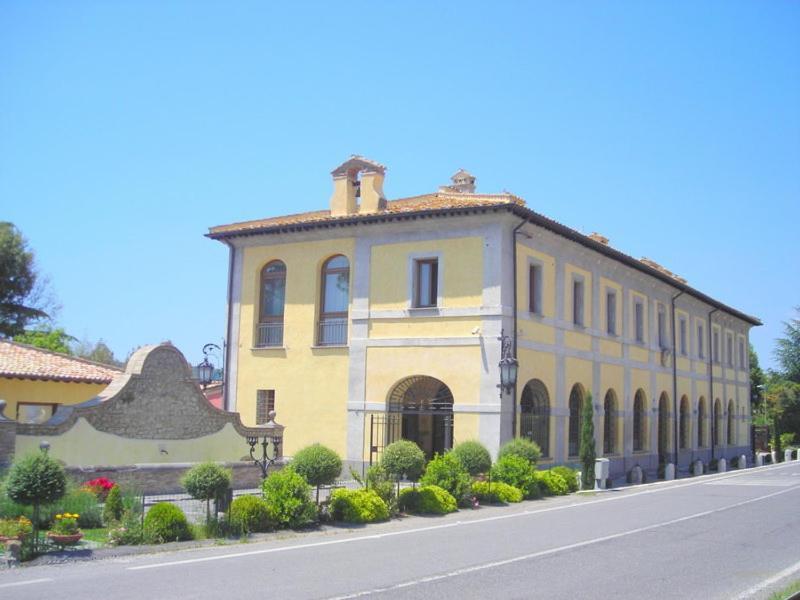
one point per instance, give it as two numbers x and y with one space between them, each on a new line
36 479
434 500
447 472
318 465
113 509
553 484
358 506
249 514
517 472
287 496
207 481
164 523
403 458
570 477
525 448
473 456
496 491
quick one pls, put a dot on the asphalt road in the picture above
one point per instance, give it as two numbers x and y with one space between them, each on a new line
733 535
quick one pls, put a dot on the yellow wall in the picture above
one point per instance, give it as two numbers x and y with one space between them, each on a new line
83 445
310 383
44 392
423 327
460 266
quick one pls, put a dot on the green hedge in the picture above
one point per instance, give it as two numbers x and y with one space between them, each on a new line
358 506
249 514
496 491
448 473
517 472
552 484
165 522
570 477
287 496
429 499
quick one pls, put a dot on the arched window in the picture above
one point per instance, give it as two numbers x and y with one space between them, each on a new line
535 415
663 424
702 437
731 424
610 423
575 409
639 421
426 407
273 298
685 422
718 422
334 302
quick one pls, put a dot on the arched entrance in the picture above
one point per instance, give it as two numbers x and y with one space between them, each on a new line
426 406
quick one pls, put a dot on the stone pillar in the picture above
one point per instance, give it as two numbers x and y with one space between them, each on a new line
697 468
759 459
8 435
743 461
669 472
722 465
636 475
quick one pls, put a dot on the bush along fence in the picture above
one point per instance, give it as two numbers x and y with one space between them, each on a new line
41 509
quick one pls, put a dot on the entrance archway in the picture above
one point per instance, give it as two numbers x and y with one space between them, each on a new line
426 406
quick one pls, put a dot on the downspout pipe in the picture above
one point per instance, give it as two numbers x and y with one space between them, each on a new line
227 351
675 383
711 403
514 308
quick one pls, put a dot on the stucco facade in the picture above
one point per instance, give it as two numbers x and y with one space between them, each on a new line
430 286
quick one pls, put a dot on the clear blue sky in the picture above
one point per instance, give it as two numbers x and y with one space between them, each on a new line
128 128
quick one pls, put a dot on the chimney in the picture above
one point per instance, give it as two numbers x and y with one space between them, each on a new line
601 239
463 182
347 187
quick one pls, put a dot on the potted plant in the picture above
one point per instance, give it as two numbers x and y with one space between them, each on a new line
14 529
65 530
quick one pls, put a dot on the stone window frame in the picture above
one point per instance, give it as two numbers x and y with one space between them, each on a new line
639 319
578 282
701 337
413 259
682 335
612 327
265 404
535 284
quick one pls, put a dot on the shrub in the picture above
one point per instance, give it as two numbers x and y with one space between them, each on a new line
76 501
165 522
65 524
473 456
358 506
523 447
36 479
11 528
112 511
127 532
587 451
447 472
517 472
318 465
249 514
570 477
403 458
379 481
553 484
287 496
207 481
429 499
496 491
99 486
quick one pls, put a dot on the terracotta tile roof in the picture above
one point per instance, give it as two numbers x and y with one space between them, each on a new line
27 362
414 204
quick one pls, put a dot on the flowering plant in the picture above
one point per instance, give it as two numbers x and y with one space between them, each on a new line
65 524
99 487
11 528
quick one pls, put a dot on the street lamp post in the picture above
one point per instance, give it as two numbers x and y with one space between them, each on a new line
265 461
205 370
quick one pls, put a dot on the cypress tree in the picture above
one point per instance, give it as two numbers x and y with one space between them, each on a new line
587 453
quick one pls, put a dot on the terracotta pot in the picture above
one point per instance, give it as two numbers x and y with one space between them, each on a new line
64 539
4 539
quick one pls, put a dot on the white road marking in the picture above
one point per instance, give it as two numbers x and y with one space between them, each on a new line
652 490
768 582
28 582
775 482
508 561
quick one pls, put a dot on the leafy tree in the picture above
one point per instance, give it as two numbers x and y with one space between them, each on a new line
98 352
783 405
207 481
587 451
55 340
788 349
318 465
757 378
474 456
19 304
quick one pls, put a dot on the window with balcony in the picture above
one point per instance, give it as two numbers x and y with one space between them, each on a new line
334 302
273 299
426 282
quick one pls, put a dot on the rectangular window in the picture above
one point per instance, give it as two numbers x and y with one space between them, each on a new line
577 302
742 364
701 341
265 404
638 313
611 312
729 349
426 278
32 412
662 328
683 336
715 349
535 289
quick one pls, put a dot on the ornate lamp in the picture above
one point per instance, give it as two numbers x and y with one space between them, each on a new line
265 461
509 366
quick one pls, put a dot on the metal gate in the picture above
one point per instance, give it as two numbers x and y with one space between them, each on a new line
384 428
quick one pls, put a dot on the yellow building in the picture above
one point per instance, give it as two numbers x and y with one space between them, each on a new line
378 319
34 382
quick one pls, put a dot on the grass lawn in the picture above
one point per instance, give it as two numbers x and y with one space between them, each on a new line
99 534
786 592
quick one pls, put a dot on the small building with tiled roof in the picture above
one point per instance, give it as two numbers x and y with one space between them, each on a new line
378 319
34 381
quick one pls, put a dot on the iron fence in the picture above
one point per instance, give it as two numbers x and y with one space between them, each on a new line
270 334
